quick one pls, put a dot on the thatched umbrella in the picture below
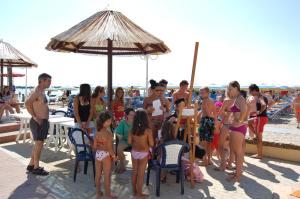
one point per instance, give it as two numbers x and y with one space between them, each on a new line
107 33
11 57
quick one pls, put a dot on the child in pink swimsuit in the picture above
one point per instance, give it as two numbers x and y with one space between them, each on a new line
141 139
104 154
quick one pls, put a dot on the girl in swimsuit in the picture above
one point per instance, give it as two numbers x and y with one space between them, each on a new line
224 114
98 104
296 106
104 154
141 139
118 106
238 127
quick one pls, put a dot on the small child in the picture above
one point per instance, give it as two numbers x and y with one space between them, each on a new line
214 144
141 139
104 154
167 134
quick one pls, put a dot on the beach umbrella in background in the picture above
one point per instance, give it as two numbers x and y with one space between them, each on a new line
11 57
107 33
13 75
10 75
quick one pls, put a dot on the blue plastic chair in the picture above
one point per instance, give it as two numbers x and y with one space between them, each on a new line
83 151
170 159
60 112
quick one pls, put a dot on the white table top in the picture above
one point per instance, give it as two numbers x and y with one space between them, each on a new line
58 120
28 116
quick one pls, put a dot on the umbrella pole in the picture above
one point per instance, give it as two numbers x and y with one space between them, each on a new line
109 74
1 75
147 75
26 83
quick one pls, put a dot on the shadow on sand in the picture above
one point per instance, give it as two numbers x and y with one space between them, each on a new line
285 171
256 190
260 173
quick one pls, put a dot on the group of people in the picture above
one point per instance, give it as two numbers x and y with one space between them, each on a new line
8 101
223 125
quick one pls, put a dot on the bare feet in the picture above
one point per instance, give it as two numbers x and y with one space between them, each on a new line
256 156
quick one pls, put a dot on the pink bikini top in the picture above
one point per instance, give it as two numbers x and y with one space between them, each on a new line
234 108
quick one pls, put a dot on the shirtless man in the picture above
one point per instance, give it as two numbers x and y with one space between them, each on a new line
37 107
207 123
182 92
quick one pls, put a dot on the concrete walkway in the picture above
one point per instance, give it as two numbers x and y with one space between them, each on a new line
266 179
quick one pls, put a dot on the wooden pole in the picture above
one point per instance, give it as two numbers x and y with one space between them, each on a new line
1 75
109 74
192 138
193 73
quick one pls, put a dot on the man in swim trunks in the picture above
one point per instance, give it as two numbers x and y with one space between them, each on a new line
261 117
37 107
207 123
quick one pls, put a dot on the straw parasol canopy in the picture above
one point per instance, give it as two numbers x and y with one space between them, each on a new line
11 57
107 33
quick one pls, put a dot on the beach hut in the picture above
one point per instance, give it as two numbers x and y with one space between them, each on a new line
107 33
11 57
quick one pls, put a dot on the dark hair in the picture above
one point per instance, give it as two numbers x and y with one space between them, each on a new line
85 92
183 83
140 122
44 76
97 90
254 87
163 82
116 97
103 117
167 131
128 110
235 84
244 93
153 84
8 92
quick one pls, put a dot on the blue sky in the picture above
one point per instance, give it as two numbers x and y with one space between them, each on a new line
252 41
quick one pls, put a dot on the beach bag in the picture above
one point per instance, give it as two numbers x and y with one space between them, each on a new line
198 175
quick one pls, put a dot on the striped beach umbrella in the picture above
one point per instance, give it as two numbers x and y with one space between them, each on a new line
107 33
11 57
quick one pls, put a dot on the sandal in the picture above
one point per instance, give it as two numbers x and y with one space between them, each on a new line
40 171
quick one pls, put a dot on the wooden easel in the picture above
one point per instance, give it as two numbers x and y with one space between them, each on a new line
189 112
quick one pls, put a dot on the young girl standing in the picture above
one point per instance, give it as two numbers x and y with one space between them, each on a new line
141 139
104 154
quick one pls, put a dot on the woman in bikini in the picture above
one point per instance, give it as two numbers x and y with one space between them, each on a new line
98 103
296 106
156 94
141 139
118 106
238 127
104 154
